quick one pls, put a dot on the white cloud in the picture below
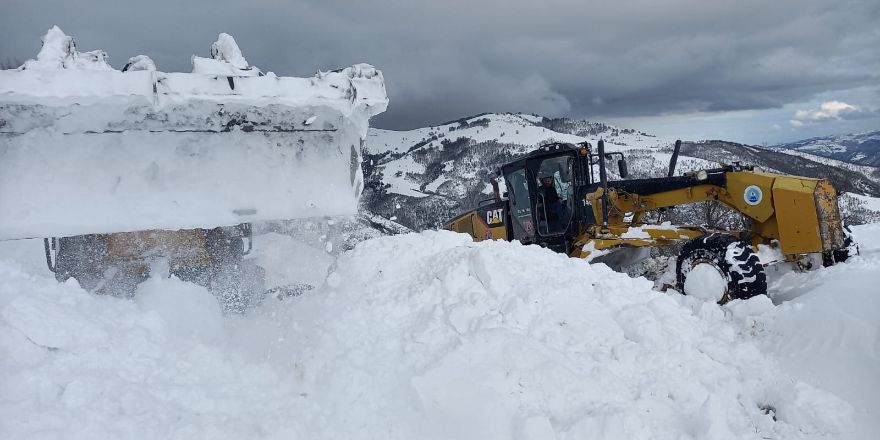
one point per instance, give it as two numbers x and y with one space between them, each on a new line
827 111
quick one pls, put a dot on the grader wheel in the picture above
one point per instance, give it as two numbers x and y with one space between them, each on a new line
741 273
850 248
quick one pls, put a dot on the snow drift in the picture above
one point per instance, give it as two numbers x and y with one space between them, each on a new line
417 336
85 148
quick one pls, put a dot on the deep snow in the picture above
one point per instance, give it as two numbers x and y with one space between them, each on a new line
432 336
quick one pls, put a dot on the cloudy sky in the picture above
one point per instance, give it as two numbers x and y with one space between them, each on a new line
746 70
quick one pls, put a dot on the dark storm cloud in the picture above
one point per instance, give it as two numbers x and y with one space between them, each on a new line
446 59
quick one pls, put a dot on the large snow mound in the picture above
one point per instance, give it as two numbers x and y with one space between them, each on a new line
417 336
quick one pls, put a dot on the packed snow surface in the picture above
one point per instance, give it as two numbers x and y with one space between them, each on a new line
430 335
705 281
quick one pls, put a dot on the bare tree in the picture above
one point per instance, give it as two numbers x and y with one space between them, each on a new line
855 212
709 214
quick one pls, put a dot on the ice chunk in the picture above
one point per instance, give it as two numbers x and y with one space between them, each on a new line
187 309
226 60
140 62
226 49
57 48
635 232
59 52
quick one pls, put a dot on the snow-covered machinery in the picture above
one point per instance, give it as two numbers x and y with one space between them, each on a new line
121 166
555 199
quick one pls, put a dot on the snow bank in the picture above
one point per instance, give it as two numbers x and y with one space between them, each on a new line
828 333
417 336
95 150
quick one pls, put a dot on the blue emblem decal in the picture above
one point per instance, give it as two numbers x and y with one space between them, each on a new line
753 195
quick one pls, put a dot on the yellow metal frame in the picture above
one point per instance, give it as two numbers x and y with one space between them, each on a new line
473 224
184 248
615 236
800 212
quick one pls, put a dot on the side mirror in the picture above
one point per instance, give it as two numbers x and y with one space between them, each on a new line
621 168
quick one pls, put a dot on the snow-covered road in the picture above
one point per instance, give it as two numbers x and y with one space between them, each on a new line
432 336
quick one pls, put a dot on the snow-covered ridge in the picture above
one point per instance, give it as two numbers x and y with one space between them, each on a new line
518 128
517 132
867 170
857 148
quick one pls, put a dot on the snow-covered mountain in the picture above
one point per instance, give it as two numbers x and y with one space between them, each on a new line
425 176
858 148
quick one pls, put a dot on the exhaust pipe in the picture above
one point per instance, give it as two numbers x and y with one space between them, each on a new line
674 159
603 179
495 191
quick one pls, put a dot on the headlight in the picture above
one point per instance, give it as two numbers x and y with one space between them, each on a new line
702 175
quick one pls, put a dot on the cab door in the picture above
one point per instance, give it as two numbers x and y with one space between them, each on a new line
519 195
554 193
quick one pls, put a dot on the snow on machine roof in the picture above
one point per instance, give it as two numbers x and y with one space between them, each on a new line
86 148
61 76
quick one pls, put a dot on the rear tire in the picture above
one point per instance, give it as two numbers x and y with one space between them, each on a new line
734 259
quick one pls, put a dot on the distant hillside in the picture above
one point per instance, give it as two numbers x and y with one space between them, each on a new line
859 148
844 179
420 178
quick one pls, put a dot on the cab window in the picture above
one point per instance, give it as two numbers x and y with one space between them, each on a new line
520 205
553 202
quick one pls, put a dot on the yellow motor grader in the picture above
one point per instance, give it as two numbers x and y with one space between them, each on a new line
553 198
133 173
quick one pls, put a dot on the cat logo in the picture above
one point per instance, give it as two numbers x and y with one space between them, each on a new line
495 216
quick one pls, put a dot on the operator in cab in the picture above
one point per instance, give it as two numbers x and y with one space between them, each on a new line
552 204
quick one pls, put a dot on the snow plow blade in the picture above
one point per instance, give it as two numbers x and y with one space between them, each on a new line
87 149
